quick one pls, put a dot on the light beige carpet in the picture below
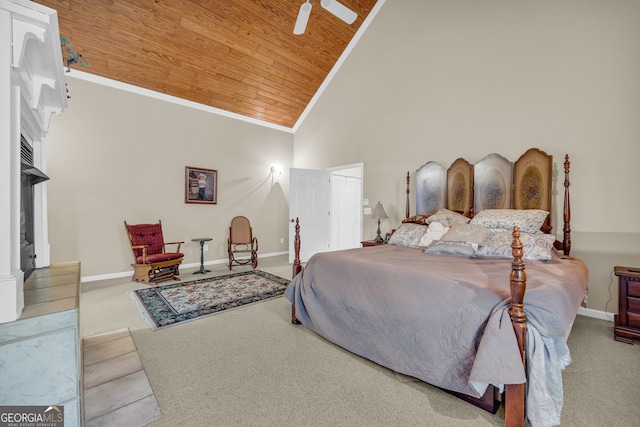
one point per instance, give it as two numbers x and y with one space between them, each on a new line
251 367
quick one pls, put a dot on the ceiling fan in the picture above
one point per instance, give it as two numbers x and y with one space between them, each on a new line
338 9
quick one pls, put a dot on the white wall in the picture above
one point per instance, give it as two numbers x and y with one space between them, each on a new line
431 80
438 80
116 156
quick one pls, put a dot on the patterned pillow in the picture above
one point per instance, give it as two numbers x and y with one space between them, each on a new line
451 248
408 234
447 218
418 219
527 220
469 233
536 246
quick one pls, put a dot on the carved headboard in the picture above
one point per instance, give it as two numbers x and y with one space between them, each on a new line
492 183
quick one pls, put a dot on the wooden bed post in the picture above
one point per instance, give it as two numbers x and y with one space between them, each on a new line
515 393
566 242
407 210
297 266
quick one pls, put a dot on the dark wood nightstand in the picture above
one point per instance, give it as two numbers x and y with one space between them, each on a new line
627 320
372 243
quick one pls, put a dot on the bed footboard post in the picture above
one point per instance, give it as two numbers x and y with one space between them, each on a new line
515 393
566 242
297 266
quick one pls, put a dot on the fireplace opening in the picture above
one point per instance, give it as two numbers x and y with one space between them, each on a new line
29 177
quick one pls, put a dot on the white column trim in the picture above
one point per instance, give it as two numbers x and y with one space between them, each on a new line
10 278
40 209
32 87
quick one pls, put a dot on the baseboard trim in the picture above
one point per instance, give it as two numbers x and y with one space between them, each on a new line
95 278
598 314
588 312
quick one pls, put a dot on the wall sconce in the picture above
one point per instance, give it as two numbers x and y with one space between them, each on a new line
276 171
379 213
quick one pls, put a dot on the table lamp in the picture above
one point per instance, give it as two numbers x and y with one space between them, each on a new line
379 213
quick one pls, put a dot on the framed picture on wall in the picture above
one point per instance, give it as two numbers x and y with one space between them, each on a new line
201 186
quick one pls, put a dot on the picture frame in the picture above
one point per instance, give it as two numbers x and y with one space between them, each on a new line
201 185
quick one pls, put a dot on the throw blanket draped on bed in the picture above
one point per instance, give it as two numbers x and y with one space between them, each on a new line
438 318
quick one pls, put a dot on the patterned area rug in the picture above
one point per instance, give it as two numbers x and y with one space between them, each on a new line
179 302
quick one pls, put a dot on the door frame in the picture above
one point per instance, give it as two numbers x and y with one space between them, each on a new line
332 170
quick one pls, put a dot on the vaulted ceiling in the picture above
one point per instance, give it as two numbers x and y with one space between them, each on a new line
236 55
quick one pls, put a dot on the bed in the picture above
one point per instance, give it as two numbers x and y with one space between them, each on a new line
452 311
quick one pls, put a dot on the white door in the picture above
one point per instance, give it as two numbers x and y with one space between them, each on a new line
346 212
310 201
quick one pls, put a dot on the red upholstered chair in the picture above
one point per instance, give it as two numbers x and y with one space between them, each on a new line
152 262
241 242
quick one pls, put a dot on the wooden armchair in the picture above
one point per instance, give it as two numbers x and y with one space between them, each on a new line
152 263
241 242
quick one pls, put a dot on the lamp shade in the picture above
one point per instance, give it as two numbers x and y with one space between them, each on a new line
378 212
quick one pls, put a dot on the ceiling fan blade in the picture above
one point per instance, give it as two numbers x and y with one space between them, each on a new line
339 10
303 18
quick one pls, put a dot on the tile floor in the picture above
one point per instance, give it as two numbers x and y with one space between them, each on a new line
116 388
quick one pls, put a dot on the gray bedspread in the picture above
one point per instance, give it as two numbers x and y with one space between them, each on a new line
439 318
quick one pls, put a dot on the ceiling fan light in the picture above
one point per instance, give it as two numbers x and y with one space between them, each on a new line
303 18
339 10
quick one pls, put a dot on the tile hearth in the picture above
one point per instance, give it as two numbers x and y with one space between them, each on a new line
116 387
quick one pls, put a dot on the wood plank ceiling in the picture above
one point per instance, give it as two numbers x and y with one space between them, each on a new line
236 55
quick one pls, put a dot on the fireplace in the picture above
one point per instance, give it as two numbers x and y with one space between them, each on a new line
29 177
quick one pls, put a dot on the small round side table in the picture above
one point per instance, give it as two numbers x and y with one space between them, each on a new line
201 240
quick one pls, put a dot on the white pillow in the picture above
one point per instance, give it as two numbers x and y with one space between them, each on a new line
435 232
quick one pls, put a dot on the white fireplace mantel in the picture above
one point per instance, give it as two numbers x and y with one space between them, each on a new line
32 88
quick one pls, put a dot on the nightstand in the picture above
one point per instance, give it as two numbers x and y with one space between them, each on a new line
372 243
627 321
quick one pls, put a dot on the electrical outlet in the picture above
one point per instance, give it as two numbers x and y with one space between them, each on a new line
282 240
205 248
367 211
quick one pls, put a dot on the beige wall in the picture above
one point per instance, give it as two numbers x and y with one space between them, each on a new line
438 80
430 80
115 155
